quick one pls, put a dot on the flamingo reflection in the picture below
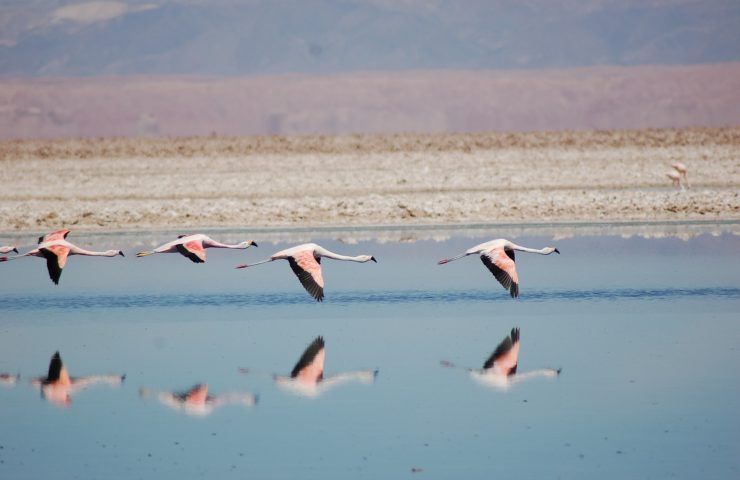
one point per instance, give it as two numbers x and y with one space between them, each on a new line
500 369
8 379
197 401
58 387
307 378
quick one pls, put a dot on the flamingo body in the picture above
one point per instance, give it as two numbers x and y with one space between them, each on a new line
56 249
197 400
305 261
499 258
193 247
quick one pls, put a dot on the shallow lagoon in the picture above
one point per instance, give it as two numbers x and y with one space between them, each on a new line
646 330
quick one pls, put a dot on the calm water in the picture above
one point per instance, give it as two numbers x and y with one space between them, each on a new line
647 333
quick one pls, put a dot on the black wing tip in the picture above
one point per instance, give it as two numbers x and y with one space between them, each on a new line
308 356
515 335
514 290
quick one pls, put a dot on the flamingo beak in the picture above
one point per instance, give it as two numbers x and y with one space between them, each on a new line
557 251
15 250
120 252
373 259
254 244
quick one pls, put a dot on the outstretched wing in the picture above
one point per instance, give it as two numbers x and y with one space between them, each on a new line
501 264
55 235
308 271
506 355
311 364
56 259
193 250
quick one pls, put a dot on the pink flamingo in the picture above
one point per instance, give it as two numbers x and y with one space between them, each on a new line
500 369
193 247
58 387
683 171
8 249
307 377
305 260
55 249
197 401
675 179
498 257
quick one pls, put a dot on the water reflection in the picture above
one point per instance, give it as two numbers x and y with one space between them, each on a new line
307 378
8 379
197 401
500 369
58 387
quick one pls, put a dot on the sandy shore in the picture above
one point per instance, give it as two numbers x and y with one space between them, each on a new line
136 184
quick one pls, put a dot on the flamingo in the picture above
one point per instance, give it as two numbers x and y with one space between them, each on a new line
197 401
57 387
307 377
500 369
305 260
8 249
498 257
55 249
683 171
675 179
193 246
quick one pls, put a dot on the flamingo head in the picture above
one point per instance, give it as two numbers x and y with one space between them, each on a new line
248 243
550 250
15 249
113 253
366 258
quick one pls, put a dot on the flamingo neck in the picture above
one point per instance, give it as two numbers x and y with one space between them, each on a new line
514 246
345 258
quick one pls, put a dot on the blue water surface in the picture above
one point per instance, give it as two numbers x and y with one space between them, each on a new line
646 332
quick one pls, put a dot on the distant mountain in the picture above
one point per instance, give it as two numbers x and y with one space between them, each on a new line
229 37
379 102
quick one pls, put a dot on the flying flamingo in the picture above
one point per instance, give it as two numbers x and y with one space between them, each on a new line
307 377
683 171
193 246
197 401
498 257
305 260
57 387
8 249
675 179
500 369
55 249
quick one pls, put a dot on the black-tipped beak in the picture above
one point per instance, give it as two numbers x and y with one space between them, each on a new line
254 244
373 259
557 251
120 252
15 250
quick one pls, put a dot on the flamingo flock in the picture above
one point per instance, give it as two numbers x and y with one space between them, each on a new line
305 260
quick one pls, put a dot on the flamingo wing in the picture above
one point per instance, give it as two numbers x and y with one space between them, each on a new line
56 259
308 271
311 364
55 235
193 250
501 264
506 356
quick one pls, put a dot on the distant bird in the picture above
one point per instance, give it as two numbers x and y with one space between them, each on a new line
55 249
498 257
305 260
675 179
307 377
197 401
193 246
8 249
500 369
683 171
57 387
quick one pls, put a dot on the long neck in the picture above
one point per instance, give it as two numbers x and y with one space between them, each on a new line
81 251
514 246
215 244
326 253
